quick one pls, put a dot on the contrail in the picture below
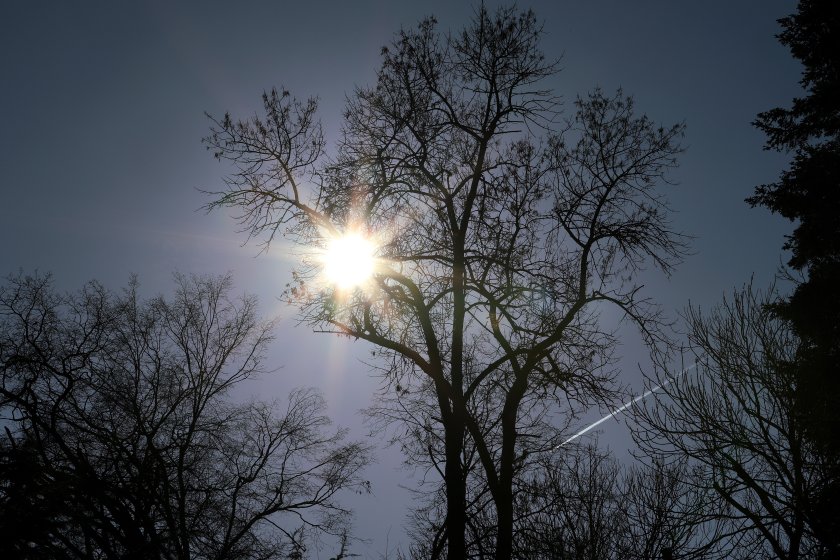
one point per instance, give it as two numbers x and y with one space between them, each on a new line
626 405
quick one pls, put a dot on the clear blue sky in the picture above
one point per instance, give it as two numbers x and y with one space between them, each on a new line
102 114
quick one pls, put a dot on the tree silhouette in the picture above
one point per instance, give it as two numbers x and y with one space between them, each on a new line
736 421
503 230
584 504
121 441
809 194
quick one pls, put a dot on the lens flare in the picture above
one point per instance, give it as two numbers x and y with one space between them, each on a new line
349 261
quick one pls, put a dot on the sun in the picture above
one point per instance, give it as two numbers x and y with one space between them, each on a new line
349 261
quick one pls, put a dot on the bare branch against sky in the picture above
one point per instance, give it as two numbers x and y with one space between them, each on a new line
104 106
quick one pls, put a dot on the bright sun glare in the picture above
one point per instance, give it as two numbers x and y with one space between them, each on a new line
349 261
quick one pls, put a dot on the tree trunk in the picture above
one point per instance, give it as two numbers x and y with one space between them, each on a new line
456 480
456 492
504 515
504 495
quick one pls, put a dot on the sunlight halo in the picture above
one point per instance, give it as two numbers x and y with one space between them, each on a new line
349 261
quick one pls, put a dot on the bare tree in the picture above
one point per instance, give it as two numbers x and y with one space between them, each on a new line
503 230
584 504
735 420
664 510
119 407
570 509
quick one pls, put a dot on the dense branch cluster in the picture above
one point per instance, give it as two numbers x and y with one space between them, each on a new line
736 420
505 229
122 441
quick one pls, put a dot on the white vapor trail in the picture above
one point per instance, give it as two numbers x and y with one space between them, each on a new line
626 405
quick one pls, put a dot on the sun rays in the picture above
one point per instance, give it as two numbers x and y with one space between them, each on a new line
349 261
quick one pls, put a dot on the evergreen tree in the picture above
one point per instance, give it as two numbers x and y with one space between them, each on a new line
808 193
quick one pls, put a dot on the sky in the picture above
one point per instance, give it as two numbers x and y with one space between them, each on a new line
101 163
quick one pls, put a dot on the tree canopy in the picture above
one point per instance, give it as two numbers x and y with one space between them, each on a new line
808 193
121 440
504 227
736 422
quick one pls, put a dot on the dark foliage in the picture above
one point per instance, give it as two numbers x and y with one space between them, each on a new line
808 193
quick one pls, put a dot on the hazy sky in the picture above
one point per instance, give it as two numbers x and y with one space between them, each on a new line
103 111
